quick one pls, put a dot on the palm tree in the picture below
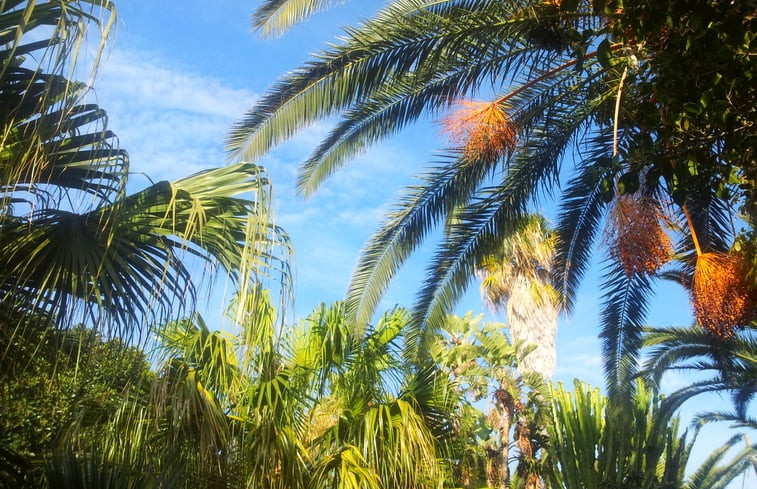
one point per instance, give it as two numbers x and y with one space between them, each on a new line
317 408
731 361
481 361
73 245
518 279
594 80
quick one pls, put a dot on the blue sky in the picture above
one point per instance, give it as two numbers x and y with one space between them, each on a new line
178 74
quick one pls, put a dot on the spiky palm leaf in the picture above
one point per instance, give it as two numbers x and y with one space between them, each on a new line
636 442
276 16
732 363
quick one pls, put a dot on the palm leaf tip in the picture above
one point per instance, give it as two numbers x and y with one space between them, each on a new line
482 129
720 294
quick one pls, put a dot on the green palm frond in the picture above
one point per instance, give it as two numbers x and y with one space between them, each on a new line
712 474
44 122
125 260
274 17
582 210
418 212
398 42
731 362
622 320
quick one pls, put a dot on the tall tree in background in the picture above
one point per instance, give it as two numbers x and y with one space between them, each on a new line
518 279
483 364
652 101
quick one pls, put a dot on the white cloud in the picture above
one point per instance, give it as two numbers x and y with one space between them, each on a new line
151 81
171 121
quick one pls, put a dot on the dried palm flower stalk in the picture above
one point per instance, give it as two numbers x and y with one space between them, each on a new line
636 237
482 129
720 294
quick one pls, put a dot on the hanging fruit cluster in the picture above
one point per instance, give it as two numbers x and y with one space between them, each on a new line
720 294
481 129
636 237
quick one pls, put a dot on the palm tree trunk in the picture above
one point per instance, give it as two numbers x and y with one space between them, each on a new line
532 319
506 406
504 433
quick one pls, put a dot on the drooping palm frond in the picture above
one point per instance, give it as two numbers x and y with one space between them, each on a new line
579 223
494 212
731 362
711 473
274 17
51 138
418 213
400 41
125 261
622 320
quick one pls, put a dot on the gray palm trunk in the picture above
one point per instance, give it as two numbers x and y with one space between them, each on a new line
532 320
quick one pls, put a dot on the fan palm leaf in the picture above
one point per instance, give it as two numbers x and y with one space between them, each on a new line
125 260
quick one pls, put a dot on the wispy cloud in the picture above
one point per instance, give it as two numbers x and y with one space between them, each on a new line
170 120
173 121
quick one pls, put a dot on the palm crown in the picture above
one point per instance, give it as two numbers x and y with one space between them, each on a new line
583 111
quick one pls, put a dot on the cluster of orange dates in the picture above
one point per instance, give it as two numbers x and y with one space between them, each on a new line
721 297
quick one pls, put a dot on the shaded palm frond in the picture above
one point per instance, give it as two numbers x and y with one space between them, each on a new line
624 310
731 362
418 213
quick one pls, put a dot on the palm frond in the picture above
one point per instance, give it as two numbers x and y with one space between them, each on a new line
382 51
124 260
581 213
418 213
711 474
731 362
625 307
274 17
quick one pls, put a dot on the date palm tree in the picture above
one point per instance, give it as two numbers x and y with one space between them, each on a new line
596 83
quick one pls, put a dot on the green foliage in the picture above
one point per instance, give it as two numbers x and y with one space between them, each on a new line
75 382
594 442
73 246
481 362
726 366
